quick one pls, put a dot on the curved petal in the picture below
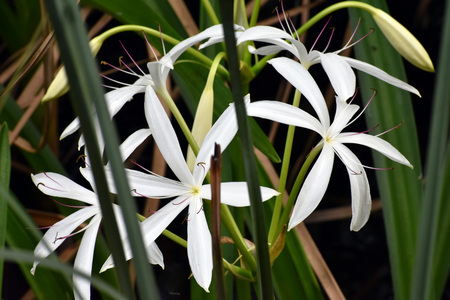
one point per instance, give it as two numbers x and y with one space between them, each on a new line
341 75
380 74
154 255
236 193
199 245
300 78
153 226
361 199
313 188
285 114
133 141
142 184
57 185
375 143
165 137
54 236
222 132
83 260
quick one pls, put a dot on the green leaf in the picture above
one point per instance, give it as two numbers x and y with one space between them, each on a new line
400 189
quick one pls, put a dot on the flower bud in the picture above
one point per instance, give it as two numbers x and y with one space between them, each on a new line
402 40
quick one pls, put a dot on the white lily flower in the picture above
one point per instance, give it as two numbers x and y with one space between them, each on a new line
333 140
338 68
189 190
57 185
156 76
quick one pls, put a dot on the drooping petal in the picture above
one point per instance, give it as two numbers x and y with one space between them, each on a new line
199 245
313 188
54 236
153 226
142 184
236 193
284 113
361 199
83 260
380 74
57 185
165 137
115 100
341 75
375 143
300 78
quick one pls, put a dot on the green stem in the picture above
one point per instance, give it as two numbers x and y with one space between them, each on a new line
283 175
255 13
210 11
296 188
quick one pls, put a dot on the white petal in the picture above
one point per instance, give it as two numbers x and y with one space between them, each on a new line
142 184
154 255
300 78
361 199
284 113
380 74
341 75
344 113
83 260
54 236
57 185
314 187
375 143
222 132
199 245
266 50
236 193
220 38
133 141
153 226
165 137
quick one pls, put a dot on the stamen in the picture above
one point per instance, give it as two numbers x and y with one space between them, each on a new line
364 109
201 208
182 201
132 58
279 19
286 17
162 40
67 205
329 40
132 73
395 127
315 42
151 48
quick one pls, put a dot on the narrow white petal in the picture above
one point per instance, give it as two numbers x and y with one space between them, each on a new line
341 75
54 236
236 193
133 141
154 255
153 226
361 199
199 245
380 74
165 136
344 113
300 78
375 143
83 260
142 184
57 185
285 114
314 187
222 132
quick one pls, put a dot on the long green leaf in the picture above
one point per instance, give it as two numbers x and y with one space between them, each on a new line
5 173
86 90
400 189
432 266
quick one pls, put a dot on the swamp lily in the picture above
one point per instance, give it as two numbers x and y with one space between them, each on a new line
155 78
338 68
189 191
57 185
333 142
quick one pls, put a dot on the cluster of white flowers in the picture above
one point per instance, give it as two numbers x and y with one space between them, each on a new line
190 190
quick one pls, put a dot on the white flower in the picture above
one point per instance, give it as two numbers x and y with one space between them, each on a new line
333 140
338 68
156 78
189 190
57 185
